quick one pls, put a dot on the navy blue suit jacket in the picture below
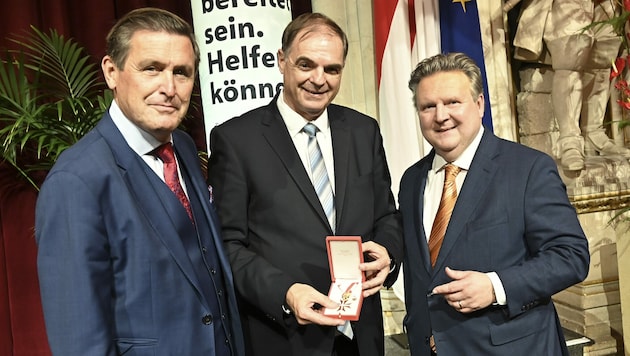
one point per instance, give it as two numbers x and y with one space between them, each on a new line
115 277
512 217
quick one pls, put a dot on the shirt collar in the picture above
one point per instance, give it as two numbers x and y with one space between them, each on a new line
295 122
139 140
465 159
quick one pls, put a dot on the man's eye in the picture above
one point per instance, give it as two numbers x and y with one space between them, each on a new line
181 72
303 66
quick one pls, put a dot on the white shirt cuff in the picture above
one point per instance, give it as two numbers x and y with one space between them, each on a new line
499 292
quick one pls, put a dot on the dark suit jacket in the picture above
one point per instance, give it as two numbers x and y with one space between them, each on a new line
115 277
513 217
275 228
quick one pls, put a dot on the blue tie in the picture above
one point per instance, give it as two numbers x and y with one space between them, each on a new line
320 175
324 192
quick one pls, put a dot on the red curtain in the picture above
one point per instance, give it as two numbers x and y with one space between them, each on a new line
22 330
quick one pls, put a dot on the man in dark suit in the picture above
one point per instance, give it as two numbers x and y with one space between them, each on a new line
274 225
125 265
513 239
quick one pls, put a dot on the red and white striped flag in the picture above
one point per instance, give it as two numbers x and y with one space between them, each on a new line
405 32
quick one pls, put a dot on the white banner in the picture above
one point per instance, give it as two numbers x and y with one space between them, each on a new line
239 41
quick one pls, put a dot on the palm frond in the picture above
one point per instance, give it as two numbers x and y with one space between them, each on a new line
50 96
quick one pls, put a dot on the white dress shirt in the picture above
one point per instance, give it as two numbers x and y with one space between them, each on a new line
295 123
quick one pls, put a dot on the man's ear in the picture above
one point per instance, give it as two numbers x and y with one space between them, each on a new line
281 61
110 72
481 105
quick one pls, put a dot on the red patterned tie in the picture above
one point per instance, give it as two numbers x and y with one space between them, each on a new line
166 154
447 203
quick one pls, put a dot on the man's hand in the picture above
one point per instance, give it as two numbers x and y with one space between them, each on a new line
376 271
468 291
307 304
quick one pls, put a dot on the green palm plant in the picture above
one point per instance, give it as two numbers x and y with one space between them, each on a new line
50 96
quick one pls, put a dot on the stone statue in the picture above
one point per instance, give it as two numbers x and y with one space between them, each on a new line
553 32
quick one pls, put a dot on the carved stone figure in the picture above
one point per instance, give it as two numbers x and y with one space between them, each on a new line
553 32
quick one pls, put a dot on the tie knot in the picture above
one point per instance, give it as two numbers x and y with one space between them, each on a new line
310 129
451 171
165 153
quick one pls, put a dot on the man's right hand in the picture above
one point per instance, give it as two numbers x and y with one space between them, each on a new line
307 304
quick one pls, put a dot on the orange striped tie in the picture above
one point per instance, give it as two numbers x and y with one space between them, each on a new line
449 196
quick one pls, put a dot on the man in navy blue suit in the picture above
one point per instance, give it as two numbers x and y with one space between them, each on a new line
125 267
513 239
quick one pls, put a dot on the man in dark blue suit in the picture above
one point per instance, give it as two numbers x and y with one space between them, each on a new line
125 265
513 239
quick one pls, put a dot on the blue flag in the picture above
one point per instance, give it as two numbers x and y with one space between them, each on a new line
460 32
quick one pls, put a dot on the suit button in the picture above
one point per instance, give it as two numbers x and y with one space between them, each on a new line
427 340
220 293
207 319
204 249
213 271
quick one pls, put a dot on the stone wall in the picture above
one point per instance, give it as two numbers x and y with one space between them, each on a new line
593 307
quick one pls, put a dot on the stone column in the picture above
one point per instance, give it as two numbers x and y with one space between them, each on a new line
358 83
623 261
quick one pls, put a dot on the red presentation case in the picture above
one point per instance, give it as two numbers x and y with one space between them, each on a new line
344 256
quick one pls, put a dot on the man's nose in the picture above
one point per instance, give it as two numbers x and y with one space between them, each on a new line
318 76
168 83
442 112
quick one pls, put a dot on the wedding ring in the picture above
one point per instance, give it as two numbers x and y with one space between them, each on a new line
460 304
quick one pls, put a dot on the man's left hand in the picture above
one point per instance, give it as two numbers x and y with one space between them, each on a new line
376 271
468 291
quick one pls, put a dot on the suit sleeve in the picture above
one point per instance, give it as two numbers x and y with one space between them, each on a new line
387 224
557 247
75 277
257 280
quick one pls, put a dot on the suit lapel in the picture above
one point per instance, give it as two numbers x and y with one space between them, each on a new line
198 186
482 169
341 153
275 132
418 193
149 198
